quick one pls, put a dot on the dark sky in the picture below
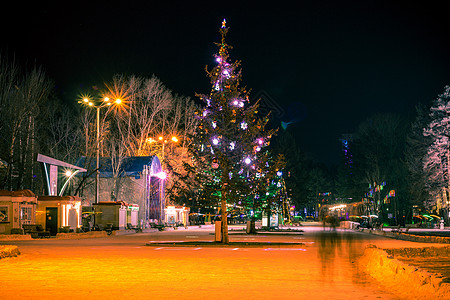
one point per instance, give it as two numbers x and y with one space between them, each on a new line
331 63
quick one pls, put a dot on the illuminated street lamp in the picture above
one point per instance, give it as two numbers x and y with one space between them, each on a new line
106 102
69 174
163 141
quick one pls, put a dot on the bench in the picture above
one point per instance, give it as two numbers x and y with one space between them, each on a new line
35 230
157 226
131 227
398 229
379 227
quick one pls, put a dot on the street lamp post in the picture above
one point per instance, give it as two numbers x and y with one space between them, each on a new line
105 103
97 161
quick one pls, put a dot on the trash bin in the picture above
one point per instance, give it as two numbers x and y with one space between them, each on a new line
218 231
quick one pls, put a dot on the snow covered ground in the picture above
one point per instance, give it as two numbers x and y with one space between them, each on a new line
122 267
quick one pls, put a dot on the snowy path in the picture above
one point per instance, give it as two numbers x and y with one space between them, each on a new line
122 267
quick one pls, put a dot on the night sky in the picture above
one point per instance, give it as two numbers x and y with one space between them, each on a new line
329 64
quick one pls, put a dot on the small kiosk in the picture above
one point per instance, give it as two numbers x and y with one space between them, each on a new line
59 213
16 209
176 215
115 214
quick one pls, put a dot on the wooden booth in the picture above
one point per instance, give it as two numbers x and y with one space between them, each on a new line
59 213
118 214
16 209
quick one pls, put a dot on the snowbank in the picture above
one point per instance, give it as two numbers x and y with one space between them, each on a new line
15 237
9 251
443 251
409 237
405 280
81 235
66 236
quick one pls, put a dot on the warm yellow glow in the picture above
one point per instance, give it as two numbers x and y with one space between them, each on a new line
77 205
63 215
68 173
106 99
338 207
86 100
161 139
91 104
118 91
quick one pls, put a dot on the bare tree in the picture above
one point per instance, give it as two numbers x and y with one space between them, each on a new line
148 110
379 150
22 97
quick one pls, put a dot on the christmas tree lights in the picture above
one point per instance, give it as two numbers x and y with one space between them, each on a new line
237 163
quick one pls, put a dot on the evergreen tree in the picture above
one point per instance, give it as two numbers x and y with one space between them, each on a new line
230 144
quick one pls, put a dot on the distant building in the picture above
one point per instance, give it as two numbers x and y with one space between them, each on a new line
136 180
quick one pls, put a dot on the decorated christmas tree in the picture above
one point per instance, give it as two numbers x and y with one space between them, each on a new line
231 143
